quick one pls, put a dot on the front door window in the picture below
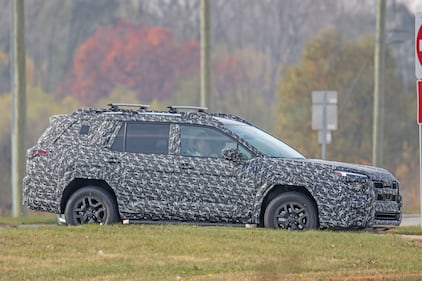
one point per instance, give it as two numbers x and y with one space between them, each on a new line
207 142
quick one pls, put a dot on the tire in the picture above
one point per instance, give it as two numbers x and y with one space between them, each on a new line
292 211
93 205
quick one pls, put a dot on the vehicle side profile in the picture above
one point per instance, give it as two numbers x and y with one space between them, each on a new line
129 164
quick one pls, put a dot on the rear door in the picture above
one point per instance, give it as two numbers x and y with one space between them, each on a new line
140 152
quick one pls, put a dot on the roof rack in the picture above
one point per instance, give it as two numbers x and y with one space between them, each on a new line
115 106
175 108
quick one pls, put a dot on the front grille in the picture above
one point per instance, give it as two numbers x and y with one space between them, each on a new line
387 191
387 216
386 197
380 184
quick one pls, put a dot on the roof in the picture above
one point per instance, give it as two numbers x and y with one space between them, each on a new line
181 113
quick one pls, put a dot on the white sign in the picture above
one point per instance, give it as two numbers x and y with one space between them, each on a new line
327 100
327 139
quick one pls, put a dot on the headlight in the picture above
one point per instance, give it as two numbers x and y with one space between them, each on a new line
355 181
350 175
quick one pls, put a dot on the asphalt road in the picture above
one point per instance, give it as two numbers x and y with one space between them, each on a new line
410 219
407 220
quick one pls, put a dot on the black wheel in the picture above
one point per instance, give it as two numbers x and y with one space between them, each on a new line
292 211
91 204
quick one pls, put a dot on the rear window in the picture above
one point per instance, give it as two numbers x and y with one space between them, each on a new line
58 125
148 138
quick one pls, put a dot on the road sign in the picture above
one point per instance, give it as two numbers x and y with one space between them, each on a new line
419 96
324 116
418 45
318 110
328 137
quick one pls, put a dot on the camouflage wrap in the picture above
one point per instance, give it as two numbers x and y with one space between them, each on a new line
172 187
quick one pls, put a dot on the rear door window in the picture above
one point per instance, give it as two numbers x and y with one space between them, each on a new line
147 138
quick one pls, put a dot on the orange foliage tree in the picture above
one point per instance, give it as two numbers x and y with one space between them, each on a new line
145 59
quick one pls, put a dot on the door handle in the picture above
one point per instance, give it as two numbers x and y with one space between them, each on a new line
185 166
113 161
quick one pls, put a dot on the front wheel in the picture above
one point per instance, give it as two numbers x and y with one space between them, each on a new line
91 204
292 211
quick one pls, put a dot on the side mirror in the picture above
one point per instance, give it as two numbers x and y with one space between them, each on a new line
231 154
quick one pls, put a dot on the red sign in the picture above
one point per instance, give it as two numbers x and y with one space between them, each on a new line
418 45
419 91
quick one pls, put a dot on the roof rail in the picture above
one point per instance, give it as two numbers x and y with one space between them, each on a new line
175 108
115 106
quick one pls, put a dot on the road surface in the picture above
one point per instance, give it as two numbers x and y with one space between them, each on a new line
407 220
410 219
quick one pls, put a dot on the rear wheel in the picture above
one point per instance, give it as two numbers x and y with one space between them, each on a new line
91 204
292 211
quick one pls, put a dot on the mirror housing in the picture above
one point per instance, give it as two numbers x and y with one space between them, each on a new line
231 154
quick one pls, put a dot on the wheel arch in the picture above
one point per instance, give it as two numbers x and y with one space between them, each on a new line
278 189
79 183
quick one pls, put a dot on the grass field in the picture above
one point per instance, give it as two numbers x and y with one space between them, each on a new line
185 252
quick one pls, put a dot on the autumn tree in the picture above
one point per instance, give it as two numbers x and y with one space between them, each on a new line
331 63
142 58
240 79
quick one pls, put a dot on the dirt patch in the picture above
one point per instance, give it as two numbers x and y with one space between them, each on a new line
413 237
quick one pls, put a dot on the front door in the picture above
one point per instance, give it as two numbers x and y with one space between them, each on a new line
212 189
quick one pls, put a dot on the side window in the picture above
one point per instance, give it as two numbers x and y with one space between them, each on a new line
207 142
145 138
119 141
84 131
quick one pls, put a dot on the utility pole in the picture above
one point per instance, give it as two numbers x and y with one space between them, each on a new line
18 91
379 64
206 100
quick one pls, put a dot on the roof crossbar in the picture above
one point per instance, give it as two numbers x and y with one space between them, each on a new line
175 108
115 106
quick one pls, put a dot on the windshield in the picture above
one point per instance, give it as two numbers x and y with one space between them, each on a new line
265 143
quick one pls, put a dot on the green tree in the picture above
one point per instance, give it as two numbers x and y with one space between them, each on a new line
187 91
4 73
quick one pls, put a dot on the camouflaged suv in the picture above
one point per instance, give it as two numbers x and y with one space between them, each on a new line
130 164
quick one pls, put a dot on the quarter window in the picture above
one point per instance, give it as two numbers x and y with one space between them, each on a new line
145 138
84 131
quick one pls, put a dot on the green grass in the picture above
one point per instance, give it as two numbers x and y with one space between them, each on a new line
39 218
407 230
170 252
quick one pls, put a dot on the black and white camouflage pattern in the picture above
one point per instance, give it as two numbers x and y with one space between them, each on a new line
154 187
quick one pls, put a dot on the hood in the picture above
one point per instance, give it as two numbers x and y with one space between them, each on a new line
353 167
318 166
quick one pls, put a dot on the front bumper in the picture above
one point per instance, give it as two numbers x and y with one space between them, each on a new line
387 214
388 204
